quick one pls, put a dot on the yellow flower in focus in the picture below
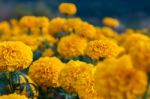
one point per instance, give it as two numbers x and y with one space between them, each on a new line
14 55
71 24
71 45
102 48
138 46
67 8
56 25
13 96
117 79
108 21
86 30
69 74
45 71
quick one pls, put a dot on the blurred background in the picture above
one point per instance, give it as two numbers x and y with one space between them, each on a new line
132 13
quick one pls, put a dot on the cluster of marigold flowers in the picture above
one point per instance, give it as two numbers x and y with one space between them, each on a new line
121 61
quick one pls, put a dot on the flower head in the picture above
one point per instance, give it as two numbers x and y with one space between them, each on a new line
30 40
102 48
71 24
67 8
138 46
14 55
72 45
56 25
86 30
45 71
84 86
33 21
117 79
110 22
69 74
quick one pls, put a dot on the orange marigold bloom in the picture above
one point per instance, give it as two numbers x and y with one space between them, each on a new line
138 46
110 22
45 71
102 48
56 25
86 30
117 79
67 8
70 73
72 45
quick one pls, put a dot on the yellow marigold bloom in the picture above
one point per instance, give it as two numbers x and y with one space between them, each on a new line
30 40
108 21
42 21
14 55
71 24
86 30
33 21
28 21
45 71
138 46
56 25
48 52
67 8
117 79
102 48
108 32
5 28
84 86
13 96
71 45
69 74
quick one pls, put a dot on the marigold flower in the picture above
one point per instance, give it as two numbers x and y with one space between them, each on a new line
108 32
71 24
5 28
13 96
86 30
45 71
42 21
110 22
30 40
33 21
138 46
28 21
67 8
102 48
72 45
117 79
14 55
84 86
69 74
56 25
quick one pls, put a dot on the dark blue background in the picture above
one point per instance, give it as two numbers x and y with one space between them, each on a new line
132 13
